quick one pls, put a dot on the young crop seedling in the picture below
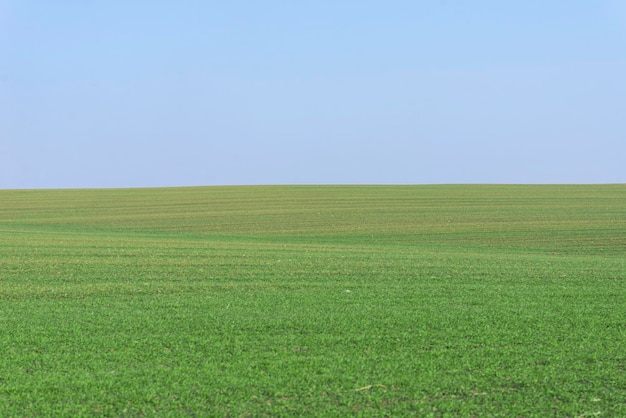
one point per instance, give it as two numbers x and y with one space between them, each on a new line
314 301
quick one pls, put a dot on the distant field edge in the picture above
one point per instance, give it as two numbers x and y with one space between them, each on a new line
261 185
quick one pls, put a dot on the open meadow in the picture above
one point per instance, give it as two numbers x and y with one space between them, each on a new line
485 300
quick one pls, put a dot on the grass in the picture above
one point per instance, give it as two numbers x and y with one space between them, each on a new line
314 301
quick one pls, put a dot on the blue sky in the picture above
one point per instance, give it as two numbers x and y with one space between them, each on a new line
162 93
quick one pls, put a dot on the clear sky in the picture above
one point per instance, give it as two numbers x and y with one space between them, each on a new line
112 93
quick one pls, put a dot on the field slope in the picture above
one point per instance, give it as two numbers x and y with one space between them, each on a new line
314 301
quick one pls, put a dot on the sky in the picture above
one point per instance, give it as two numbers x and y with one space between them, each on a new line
140 93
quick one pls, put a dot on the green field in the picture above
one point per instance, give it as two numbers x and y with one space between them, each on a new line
314 301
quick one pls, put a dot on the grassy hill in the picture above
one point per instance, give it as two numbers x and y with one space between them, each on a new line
314 300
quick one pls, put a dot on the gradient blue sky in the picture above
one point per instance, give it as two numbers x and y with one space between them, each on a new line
166 93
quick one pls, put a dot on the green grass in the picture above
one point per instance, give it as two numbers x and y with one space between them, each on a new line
314 301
